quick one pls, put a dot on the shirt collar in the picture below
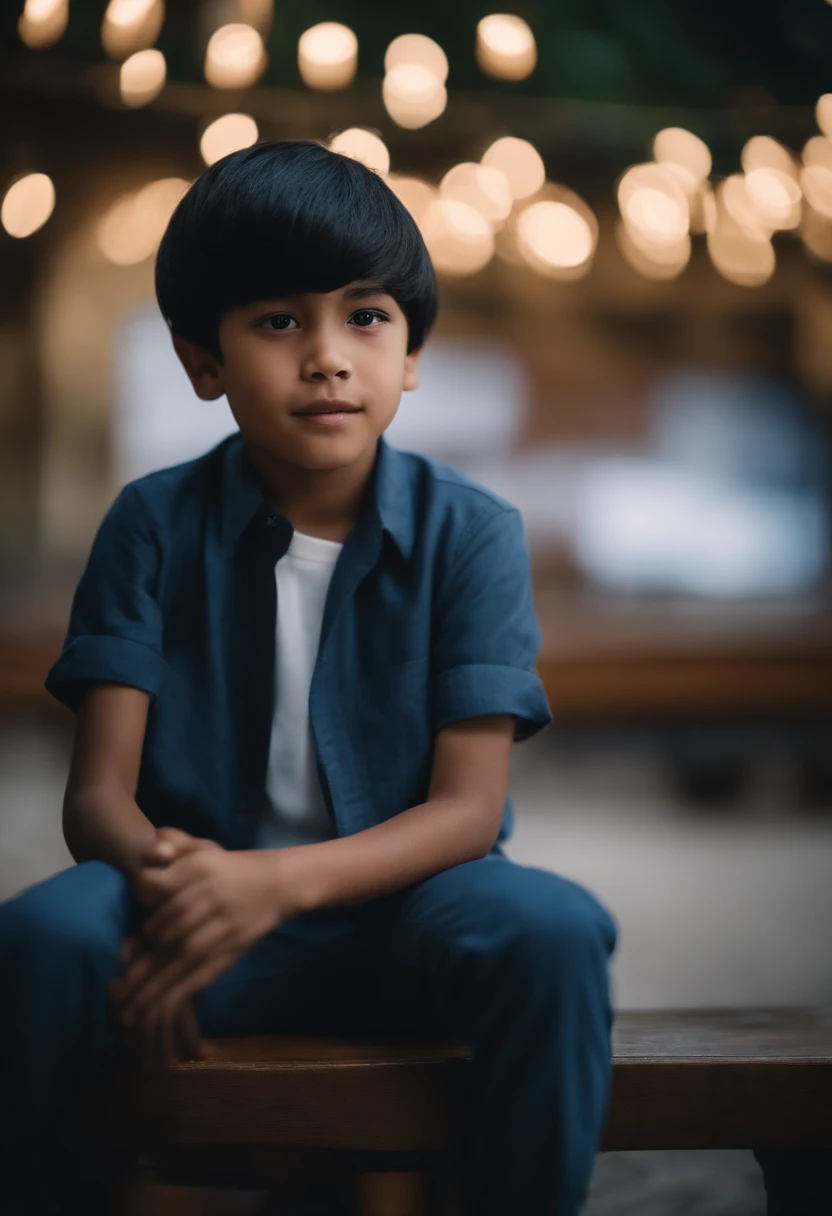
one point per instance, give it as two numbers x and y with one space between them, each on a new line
390 500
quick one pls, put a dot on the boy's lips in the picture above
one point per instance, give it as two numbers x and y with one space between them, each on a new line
331 406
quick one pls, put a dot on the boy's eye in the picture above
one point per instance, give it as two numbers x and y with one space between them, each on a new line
372 314
279 318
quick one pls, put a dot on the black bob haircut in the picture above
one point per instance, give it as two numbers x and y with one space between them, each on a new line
281 218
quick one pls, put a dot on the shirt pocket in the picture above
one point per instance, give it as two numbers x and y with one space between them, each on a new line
392 708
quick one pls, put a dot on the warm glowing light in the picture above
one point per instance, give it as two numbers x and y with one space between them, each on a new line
227 134
506 47
363 145
816 231
134 225
823 114
816 175
521 163
459 238
483 188
415 194
776 197
733 195
763 152
417 48
652 261
413 96
28 204
681 149
131 25
555 238
142 77
328 56
42 22
652 199
818 151
816 181
235 57
703 209
738 254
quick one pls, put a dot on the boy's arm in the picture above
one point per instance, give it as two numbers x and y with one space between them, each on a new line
100 817
459 822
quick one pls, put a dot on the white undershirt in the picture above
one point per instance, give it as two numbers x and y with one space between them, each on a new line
295 810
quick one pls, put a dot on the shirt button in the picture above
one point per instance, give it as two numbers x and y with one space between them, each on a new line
271 521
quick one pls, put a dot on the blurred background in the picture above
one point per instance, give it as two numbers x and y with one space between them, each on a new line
630 210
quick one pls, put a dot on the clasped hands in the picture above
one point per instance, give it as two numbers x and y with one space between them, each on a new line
206 907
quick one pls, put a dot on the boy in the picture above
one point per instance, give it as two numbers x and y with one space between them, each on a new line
298 665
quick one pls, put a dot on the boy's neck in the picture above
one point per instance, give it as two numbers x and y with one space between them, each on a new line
325 503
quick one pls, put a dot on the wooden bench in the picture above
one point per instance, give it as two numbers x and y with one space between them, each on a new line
264 1112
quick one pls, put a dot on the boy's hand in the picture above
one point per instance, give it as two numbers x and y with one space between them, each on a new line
210 906
158 1040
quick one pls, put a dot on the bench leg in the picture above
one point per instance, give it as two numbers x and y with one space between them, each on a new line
798 1181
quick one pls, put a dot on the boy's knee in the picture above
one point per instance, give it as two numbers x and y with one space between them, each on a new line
80 909
572 927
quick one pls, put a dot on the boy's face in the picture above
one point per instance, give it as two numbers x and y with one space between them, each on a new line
281 356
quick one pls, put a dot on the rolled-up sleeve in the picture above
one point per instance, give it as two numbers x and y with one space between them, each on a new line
115 627
487 635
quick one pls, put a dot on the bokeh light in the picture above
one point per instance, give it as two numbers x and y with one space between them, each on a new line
142 77
235 57
662 261
28 204
740 255
459 238
823 114
763 152
362 145
42 22
413 95
328 56
684 153
417 48
652 200
555 237
227 134
482 187
132 228
775 195
734 197
505 47
415 194
131 25
521 163
703 209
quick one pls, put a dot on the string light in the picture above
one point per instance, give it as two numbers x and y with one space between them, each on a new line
227 134
132 228
363 145
42 22
28 204
131 25
519 161
459 238
142 77
235 56
413 95
328 56
505 47
481 186
417 48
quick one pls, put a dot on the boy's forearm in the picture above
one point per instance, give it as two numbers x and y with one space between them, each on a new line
403 850
104 823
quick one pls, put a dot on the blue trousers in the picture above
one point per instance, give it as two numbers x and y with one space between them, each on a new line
511 959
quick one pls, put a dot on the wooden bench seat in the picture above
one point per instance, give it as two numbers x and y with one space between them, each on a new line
258 1112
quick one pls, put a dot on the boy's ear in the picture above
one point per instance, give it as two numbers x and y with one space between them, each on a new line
411 368
204 370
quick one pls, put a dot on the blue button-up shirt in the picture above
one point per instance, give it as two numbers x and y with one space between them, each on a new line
429 619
